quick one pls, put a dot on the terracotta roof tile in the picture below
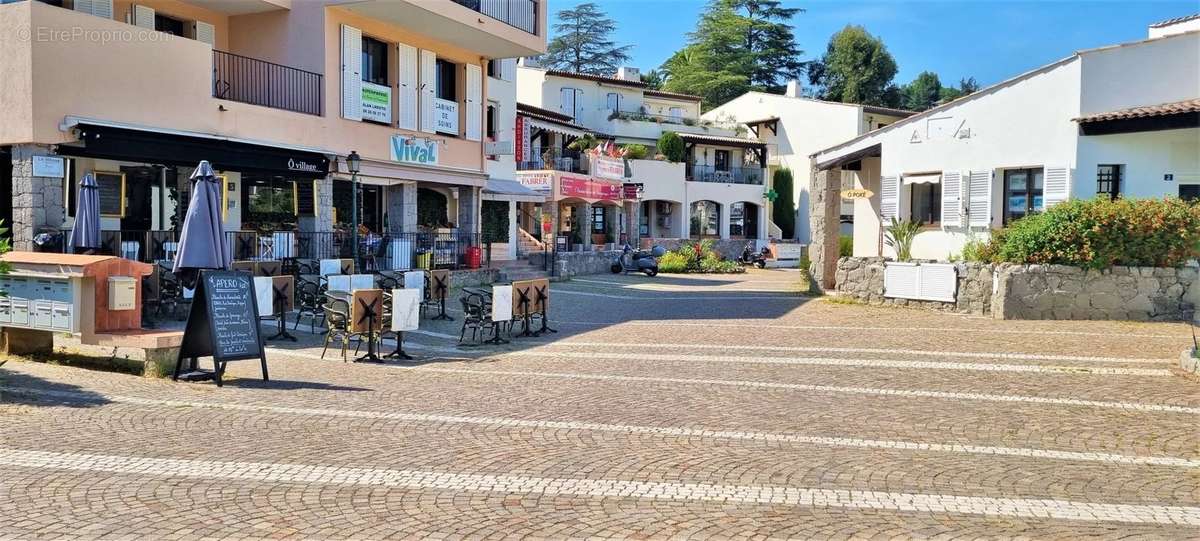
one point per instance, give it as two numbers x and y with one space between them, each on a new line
597 78
1162 109
674 95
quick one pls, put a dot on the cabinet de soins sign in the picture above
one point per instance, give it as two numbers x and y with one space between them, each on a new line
445 116
376 102
409 149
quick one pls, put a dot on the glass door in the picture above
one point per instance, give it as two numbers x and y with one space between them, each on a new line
1022 193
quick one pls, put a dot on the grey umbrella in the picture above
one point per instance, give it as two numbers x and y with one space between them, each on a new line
85 235
202 240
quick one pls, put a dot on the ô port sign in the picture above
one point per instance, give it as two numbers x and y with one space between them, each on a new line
857 193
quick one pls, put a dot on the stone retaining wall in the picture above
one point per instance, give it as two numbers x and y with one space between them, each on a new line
1010 291
584 263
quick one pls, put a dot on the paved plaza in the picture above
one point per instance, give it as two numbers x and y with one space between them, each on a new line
699 407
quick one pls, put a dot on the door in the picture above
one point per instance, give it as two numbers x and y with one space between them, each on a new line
6 192
371 205
721 159
139 206
1022 193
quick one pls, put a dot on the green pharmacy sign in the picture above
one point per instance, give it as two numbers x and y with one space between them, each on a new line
410 149
771 195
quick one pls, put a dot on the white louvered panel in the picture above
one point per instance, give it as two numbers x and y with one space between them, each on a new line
474 102
900 280
979 206
205 33
508 69
937 282
408 94
102 8
566 104
351 73
951 199
143 17
1057 185
889 198
84 6
428 90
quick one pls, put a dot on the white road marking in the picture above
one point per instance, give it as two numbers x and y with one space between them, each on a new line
660 298
306 474
1130 406
828 361
776 326
820 349
504 422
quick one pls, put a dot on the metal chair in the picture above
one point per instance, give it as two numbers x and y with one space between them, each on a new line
477 316
310 300
337 323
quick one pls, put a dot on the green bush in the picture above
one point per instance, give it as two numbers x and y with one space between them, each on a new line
697 257
783 212
672 262
845 246
634 151
1098 233
671 146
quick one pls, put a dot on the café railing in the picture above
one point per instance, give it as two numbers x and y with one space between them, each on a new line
729 175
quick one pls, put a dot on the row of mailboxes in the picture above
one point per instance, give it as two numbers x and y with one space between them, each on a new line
39 303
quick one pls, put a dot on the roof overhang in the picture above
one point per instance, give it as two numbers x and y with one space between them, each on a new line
834 161
1165 116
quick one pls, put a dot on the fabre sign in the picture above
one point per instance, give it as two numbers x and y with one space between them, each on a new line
538 181
409 149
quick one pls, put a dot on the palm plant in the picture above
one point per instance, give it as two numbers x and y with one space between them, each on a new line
584 142
900 235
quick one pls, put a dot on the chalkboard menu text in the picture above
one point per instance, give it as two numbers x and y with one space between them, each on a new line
223 322
112 193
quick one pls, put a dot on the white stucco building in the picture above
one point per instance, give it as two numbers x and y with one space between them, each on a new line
716 192
1117 120
793 127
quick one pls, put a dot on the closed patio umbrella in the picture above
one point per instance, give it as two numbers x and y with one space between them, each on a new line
85 235
202 240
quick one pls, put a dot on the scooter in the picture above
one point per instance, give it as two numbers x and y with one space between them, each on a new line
643 261
750 257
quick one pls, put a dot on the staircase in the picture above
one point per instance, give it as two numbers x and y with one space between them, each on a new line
521 269
526 244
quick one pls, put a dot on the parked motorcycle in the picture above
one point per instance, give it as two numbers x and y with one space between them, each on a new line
750 257
643 261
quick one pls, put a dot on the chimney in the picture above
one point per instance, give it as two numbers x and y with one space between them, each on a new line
626 73
793 89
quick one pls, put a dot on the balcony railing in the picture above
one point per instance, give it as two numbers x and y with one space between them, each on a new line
660 119
729 175
258 82
521 14
570 161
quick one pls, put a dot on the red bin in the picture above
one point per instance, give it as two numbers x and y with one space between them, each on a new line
474 257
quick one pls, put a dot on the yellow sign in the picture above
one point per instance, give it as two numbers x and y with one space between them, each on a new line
857 194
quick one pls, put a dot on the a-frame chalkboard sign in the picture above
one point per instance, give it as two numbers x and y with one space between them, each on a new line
223 324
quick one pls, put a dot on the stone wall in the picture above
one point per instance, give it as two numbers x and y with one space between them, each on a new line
474 277
583 263
1121 293
37 201
862 278
1010 291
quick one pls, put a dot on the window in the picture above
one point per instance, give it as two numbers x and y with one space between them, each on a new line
267 201
493 68
1189 192
676 113
1108 180
926 199
447 80
597 219
613 101
706 219
570 102
1022 193
721 159
374 61
170 25
491 121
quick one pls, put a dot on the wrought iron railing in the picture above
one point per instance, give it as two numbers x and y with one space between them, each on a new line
521 14
728 175
570 161
258 82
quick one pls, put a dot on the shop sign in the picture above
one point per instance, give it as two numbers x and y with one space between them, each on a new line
608 167
519 131
538 181
410 149
633 190
445 116
498 148
48 166
376 103
586 188
860 193
294 164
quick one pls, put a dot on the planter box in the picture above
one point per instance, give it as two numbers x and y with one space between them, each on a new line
920 281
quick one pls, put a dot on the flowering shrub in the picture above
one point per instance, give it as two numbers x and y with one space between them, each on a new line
697 257
1098 233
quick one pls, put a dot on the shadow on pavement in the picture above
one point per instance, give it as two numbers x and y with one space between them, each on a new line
283 385
50 393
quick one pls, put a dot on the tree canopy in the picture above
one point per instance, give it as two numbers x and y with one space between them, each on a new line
923 93
583 42
737 46
856 68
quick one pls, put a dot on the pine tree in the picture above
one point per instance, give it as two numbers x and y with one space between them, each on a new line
856 68
738 45
923 93
583 43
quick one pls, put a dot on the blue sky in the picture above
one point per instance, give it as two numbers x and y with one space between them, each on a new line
988 40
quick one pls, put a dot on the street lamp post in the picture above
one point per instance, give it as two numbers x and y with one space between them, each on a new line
354 163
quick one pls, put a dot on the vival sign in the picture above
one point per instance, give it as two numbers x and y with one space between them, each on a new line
409 149
376 103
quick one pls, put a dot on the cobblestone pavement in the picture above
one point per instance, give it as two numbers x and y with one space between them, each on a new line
705 407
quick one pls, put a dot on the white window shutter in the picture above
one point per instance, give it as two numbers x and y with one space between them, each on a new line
979 204
566 104
143 16
351 73
84 6
889 198
508 69
205 32
951 199
408 87
474 102
1056 185
99 8
428 89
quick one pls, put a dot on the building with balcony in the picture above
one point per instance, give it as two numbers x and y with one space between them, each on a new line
275 93
794 127
716 192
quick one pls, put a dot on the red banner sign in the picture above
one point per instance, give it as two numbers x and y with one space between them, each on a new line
586 188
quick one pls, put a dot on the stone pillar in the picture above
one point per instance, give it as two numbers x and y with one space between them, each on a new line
763 218
323 221
583 214
723 222
468 209
37 203
824 222
408 218
633 221
513 240
395 208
